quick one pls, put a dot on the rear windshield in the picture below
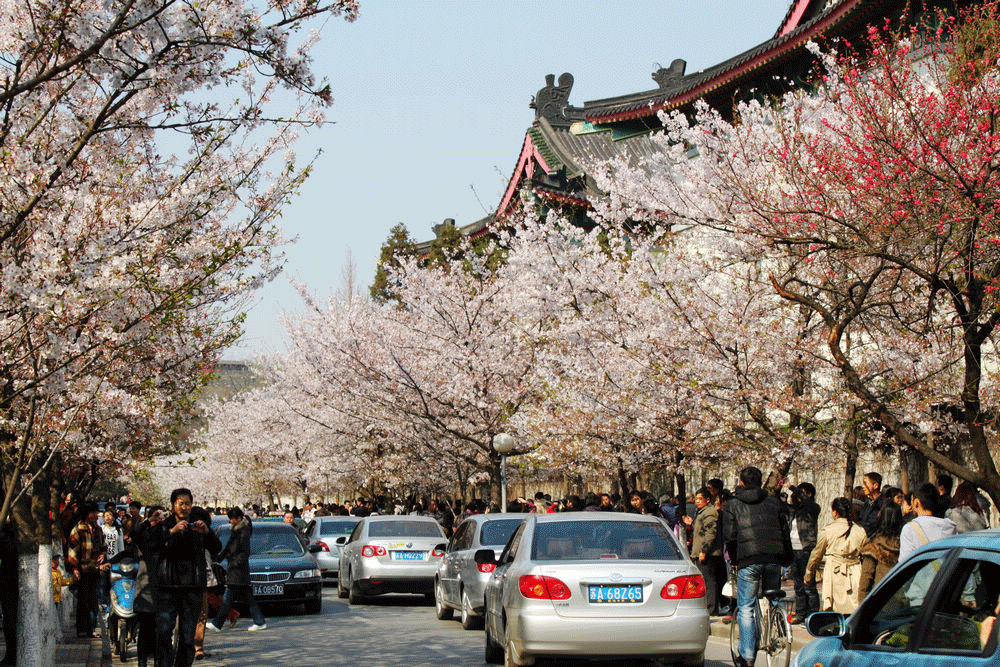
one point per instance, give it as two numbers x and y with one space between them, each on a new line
404 529
496 533
597 540
336 527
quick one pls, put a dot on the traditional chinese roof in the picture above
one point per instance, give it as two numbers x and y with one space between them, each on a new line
554 161
805 20
565 140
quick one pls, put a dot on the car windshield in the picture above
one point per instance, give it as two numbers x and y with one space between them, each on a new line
496 533
336 527
269 542
404 529
599 540
274 543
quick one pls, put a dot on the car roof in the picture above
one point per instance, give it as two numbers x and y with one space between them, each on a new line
336 517
399 517
493 516
594 516
979 539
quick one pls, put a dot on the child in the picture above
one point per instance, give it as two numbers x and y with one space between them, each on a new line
59 579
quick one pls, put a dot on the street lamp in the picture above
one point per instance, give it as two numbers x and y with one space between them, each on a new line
503 444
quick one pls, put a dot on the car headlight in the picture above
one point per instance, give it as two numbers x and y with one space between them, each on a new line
306 574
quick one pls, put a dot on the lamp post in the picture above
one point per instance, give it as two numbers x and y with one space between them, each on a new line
503 444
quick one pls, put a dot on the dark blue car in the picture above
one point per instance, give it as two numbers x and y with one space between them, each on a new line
937 607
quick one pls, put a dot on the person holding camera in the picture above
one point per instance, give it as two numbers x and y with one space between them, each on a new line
181 578
804 517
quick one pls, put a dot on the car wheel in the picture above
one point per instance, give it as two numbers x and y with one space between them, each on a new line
511 658
314 606
354 595
469 620
494 652
441 610
341 591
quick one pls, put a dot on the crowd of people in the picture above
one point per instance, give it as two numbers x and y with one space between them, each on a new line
749 538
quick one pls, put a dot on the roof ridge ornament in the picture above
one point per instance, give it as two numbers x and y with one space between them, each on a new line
552 101
668 77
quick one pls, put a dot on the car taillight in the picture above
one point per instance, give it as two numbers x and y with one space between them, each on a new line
538 587
684 588
368 551
437 553
323 546
487 567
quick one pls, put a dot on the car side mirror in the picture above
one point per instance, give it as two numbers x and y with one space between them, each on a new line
441 547
342 539
485 557
826 624
315 548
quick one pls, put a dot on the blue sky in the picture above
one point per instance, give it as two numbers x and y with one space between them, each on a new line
431 97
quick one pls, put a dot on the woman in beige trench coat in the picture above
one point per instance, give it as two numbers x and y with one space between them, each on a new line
838 546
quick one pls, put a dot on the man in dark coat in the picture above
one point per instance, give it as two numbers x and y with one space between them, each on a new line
756 534
804 533
238 586
871 484
145 583
181 578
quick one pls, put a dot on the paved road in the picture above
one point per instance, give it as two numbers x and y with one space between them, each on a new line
390 630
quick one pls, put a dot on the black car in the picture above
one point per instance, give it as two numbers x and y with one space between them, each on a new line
281 570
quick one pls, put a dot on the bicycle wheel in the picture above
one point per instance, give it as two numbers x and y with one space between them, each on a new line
778 647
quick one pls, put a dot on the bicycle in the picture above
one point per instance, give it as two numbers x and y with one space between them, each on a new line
774 634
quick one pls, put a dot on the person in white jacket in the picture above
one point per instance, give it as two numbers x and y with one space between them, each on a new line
965 510
926 527
923 529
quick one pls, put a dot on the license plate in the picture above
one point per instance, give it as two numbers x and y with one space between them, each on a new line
616 594
268 589
406 555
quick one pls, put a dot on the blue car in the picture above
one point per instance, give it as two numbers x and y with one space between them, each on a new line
937 607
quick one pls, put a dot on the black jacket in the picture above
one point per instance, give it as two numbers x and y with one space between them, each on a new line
237 550
755 528
868 518
182 555
806 514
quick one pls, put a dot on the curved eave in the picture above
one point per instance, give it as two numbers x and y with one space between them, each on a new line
561 198
783 48
530 155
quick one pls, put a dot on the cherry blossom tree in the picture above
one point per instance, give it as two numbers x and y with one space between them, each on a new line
145 161
870 203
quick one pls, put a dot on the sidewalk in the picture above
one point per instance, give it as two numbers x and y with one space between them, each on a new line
83 652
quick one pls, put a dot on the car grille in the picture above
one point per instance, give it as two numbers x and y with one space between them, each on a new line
269 577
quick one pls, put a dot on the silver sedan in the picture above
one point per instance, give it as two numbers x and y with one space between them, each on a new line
323 531
594 584
460 580
390 554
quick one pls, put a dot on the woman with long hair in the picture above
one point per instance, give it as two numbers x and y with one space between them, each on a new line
880 551
965 510
837 547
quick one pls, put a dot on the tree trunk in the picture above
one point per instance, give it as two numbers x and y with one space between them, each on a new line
47 622
623 481
681 485
851 445
29 629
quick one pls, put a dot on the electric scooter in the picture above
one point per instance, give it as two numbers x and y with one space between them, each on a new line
123 625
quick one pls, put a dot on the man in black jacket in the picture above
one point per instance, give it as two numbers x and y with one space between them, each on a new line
238 585
871 483
181 578
757 538
803 529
